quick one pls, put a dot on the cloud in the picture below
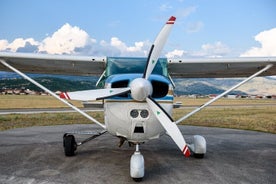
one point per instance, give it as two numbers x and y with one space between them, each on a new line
194 27
4 44
165 7
73 40
18 43
217 49
175 54
267 39
139 48
185 12
65 40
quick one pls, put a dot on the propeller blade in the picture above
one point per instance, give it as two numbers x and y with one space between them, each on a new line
96 94
169 125
157 47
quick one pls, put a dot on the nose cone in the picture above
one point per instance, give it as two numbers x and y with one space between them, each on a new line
140 89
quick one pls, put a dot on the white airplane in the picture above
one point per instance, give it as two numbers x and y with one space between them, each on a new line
138 92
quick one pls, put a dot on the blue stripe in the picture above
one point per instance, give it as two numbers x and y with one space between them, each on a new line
166 98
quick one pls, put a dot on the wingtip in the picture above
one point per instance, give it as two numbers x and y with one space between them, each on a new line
64 96
171 20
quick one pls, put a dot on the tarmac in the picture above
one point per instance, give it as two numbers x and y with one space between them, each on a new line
35 155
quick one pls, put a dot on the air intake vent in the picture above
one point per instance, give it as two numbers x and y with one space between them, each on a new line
139 129
160 89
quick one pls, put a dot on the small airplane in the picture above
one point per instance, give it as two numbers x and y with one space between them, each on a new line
137 92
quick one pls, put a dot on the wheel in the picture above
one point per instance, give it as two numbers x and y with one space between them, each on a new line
198 155
137 179
137 166
199 146
69 145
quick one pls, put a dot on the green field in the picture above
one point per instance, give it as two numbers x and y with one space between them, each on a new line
253 117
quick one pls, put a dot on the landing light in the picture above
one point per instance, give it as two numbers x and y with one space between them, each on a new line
134 113
144 113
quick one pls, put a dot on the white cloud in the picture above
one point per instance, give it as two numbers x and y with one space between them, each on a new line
218 49
4 44
185 12
175 54
165 7
194 27
65 40
139 48
267 39
18 43
73 40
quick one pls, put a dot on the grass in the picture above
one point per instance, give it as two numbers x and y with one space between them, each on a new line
246 118
31 101
259 118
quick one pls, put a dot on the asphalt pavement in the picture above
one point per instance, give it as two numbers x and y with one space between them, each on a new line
35 155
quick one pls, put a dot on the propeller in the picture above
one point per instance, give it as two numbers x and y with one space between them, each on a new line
157 47
170 126
97 94
141 90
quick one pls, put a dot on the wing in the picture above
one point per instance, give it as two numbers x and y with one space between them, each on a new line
220 67
54 64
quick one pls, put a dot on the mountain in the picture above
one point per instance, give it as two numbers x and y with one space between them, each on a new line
259 85
200 87
203 86
54 84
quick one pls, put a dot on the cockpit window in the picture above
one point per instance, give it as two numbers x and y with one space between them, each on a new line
117 65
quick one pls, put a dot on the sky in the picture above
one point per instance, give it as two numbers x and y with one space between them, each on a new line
203 28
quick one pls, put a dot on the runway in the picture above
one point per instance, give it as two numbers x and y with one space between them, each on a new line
35 155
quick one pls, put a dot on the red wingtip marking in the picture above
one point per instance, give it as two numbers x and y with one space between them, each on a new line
64 95
171 20
186 151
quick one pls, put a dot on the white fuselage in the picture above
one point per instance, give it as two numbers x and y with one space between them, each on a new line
132 119
136 127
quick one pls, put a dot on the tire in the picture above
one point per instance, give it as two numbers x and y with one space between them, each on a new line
69 145
198 155
137 179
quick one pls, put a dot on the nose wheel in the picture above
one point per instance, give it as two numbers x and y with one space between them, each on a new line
137 165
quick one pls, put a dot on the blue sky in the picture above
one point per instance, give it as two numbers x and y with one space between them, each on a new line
204 28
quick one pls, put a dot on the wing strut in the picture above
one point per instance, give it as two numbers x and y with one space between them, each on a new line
51 93
224 93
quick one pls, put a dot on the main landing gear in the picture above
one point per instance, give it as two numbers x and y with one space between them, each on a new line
137 165
198 146
69 142
69 145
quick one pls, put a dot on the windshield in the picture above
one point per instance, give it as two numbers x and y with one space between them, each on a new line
117 65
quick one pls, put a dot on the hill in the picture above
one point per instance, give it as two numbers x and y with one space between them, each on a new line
203 86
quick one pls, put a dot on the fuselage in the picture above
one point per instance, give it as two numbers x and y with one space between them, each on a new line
131 119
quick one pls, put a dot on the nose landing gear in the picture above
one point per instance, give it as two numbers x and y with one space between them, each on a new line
137 165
